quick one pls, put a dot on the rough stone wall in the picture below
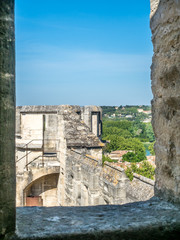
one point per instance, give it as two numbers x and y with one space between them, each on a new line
89 183
165 26
113 185
31 126
150 220
154 6
43 130
92 117
62 155
50 132
139 189
18 122
118 189
82 181
7 117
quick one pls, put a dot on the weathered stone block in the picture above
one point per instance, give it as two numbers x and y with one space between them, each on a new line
165 74
7 117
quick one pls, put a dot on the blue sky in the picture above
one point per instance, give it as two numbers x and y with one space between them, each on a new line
83 52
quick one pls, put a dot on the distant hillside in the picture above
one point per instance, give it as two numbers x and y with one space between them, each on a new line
141 113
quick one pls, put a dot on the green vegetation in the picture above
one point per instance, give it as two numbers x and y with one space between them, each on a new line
128 129
107 159
149 132
120 143
127 134
146 170
124 129
151 148
130 157
129 173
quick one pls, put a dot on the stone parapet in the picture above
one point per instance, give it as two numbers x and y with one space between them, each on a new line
144 179
148 220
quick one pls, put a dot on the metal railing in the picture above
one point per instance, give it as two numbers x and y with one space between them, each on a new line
25 144
27 148
43 157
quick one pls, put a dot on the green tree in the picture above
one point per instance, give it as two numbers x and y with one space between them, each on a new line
107 131
149 132
115 143
129 173
151 148
138 147
122 124
146 170
120 143
130 157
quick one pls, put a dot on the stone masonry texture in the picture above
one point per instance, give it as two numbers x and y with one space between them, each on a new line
148 220
7 119
82 178
165 26
153 219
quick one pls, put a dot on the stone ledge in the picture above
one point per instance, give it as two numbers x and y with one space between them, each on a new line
153 219
144 179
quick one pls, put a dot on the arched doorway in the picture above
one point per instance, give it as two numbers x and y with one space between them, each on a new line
42 191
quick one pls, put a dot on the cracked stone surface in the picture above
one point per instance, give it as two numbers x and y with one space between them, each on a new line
153 217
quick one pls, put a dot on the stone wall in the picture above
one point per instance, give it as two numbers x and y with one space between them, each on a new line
56 136
139 189
87 182
118 189
7 117
82 180
165 26
116 222
150 220
92 117
44 134
113 185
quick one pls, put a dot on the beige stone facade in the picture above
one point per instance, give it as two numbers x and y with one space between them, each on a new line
63 142
44 135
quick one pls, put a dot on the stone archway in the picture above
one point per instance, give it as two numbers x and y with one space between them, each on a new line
42 191
28 178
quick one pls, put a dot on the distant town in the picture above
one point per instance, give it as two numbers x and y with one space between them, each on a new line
128 112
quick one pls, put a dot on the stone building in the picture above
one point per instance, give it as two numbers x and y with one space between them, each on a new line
45 137
153 219
59 160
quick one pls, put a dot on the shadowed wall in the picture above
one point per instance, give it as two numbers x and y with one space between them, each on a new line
7 117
